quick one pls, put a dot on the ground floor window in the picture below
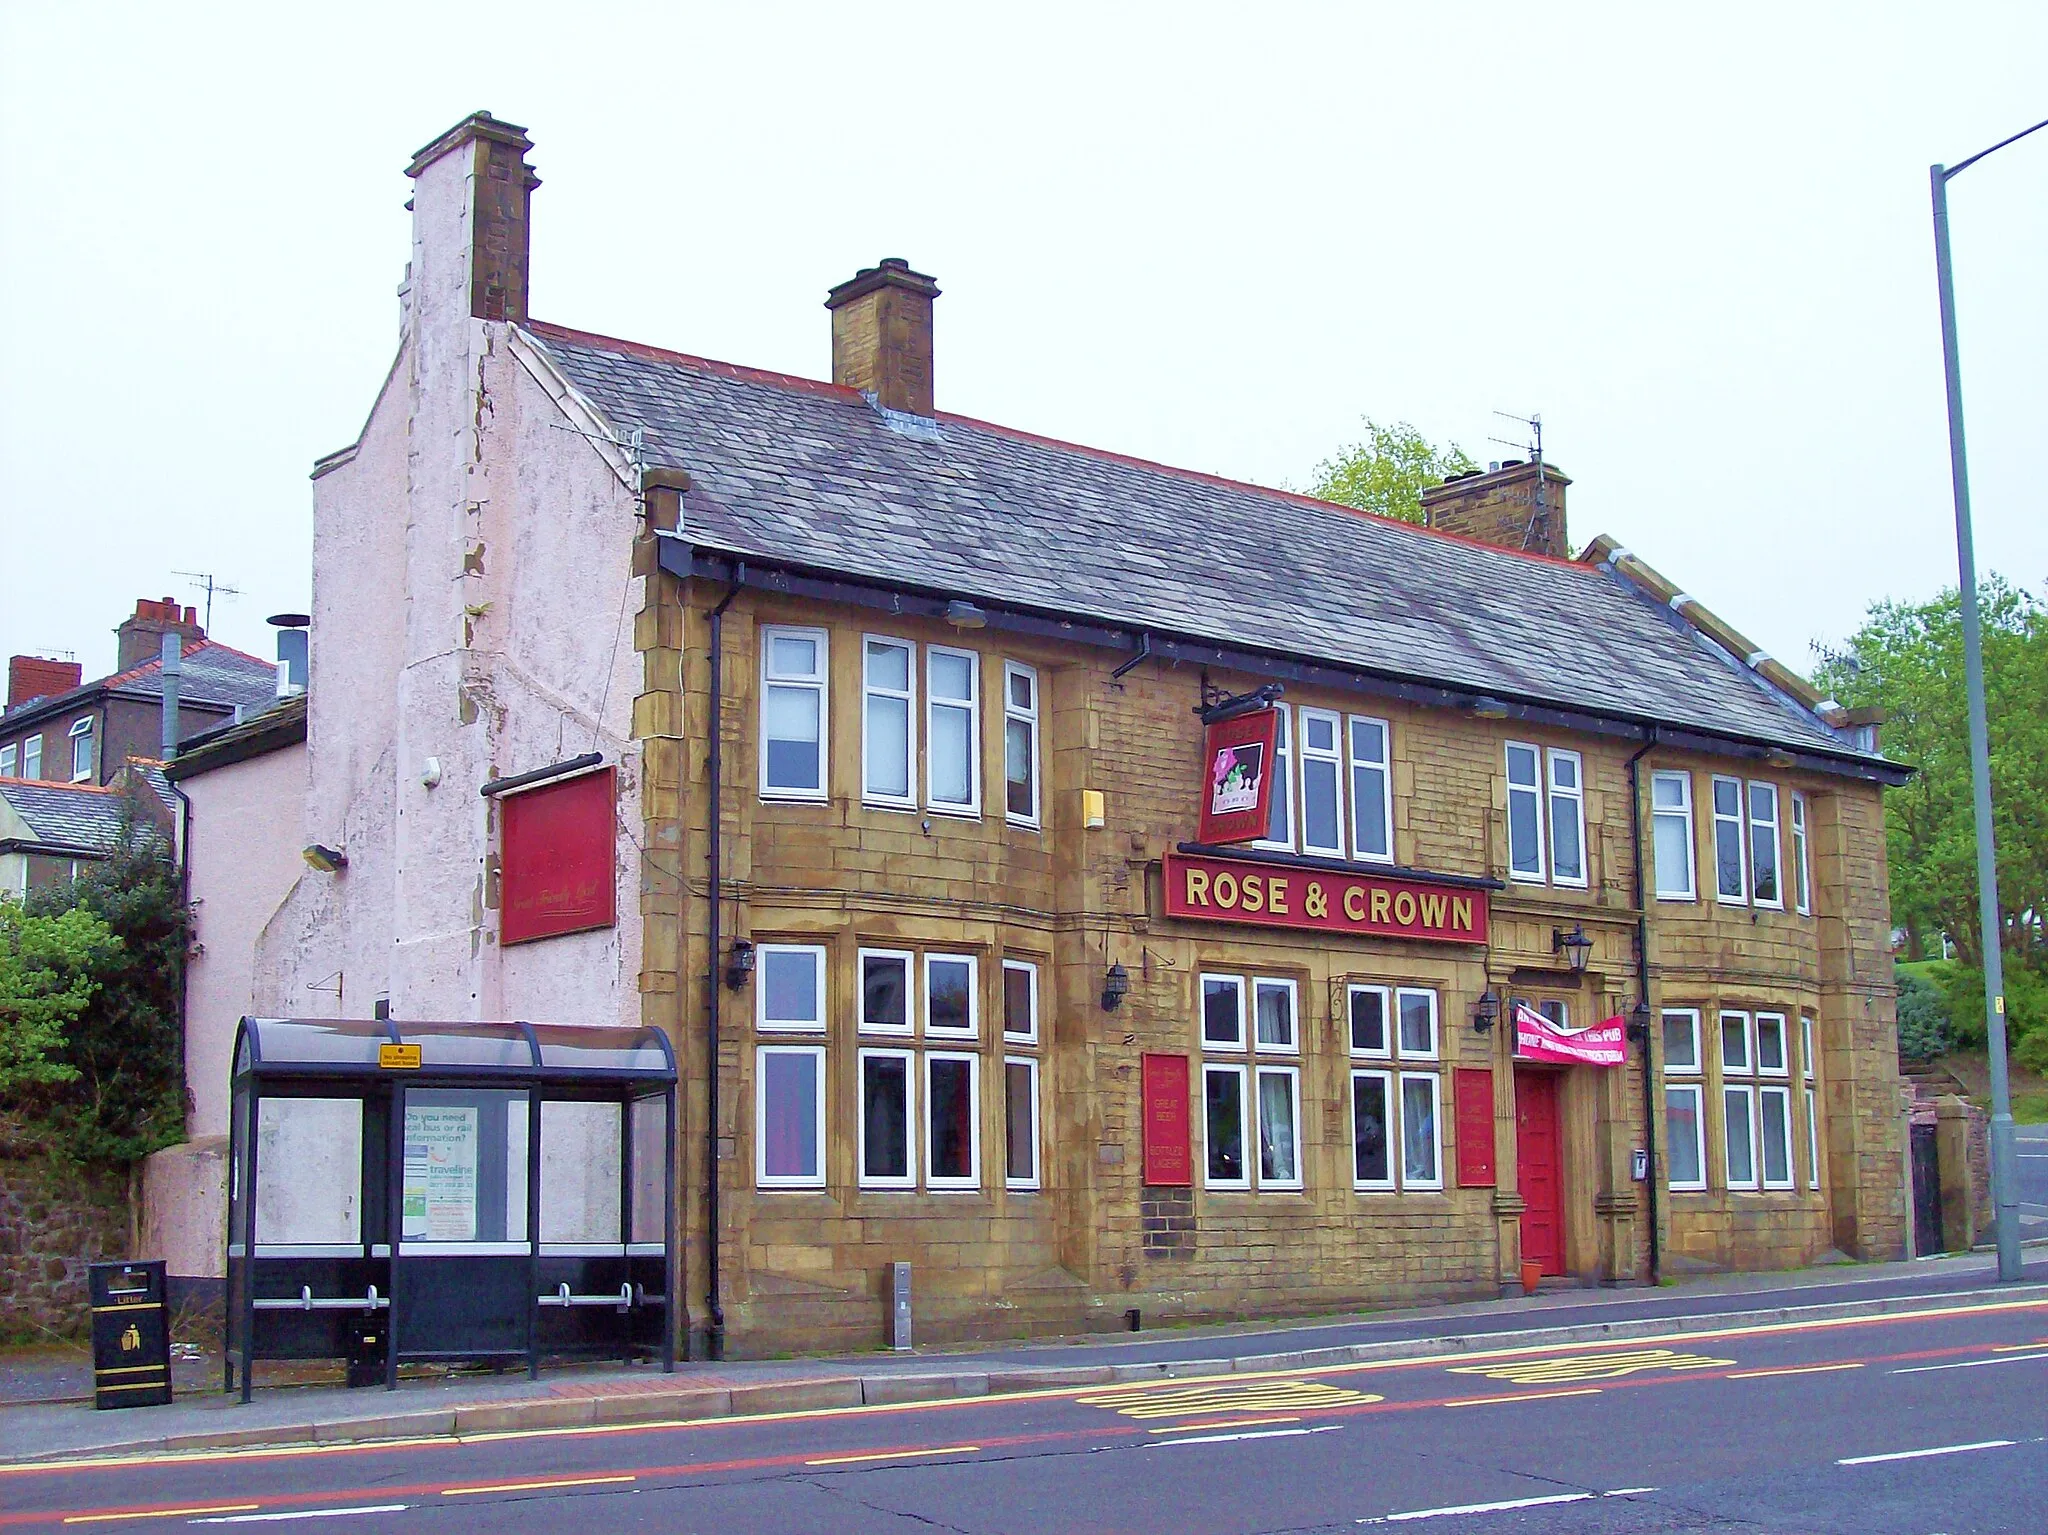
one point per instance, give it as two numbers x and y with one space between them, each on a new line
1020 1122
789 1116
1251 1105
1749 1075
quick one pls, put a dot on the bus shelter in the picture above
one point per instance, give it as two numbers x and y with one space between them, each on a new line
404 1192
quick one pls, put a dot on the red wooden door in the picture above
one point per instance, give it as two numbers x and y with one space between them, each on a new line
1539 1165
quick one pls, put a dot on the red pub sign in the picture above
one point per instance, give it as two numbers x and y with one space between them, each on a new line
1319 900
1169 1158
558 858
1237 777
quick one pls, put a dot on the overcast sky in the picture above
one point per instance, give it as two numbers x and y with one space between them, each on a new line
1699 248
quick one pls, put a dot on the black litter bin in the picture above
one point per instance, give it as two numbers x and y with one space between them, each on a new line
131 1335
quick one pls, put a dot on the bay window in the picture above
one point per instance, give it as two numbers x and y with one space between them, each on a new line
1731 861
1763 844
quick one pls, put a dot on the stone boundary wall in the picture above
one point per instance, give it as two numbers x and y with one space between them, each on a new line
55 1219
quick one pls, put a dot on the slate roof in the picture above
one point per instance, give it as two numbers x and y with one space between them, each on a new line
78 818
280 725
214 674
811 474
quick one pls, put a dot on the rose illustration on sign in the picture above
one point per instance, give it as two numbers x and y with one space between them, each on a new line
1234 780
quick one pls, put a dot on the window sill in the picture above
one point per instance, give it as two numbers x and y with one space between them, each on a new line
792 797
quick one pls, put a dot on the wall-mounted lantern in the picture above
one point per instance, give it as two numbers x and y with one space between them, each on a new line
1576 947
739 964
1485 1013
1116 985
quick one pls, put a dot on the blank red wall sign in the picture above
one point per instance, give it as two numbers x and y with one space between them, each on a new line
558 858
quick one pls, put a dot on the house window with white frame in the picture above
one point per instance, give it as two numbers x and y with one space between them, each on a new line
82 750
1396 1088
888 725
1756 1100
1774 1101
1525 812
1806 1064
1731 858
1738 1101
952 731
1020 743
1546 815
1372 799
789 1078
1021 1113
32 757
1251 1099
1763 845
1567 818
1671 835
1685 1131
1280 816
1802 875
7 760
794 720
1322 782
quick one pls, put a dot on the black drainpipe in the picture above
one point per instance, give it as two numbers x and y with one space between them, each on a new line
1635 825
714 1343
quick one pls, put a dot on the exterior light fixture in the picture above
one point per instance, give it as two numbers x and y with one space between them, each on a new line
1576 947
328 860
1116 985
739 964
1489 708
1486 1013
1639 1023
962 614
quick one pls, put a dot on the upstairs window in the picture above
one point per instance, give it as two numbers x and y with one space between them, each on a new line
1731 861
81 750
1671 835
1280 819
888 722
1020 743
1372 800
1567 818
32 757
1802 879
952 731
1322 782
793 716
1546 815
1525 812
7 760
1763 845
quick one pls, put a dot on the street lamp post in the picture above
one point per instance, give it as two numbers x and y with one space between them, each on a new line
2004 1165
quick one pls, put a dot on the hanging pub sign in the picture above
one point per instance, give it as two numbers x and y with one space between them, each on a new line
1325 901
1537 1038
1237 777
559 852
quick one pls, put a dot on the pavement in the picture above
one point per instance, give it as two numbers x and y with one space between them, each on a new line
461 1404
1907 1410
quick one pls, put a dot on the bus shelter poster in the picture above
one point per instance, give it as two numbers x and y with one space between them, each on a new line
440 1174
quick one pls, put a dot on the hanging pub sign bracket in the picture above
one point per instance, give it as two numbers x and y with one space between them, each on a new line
1217 705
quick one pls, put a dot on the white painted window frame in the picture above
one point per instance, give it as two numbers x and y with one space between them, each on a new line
1757 826
1383 766
1806 1046
931 1179
1436 1126
1746 1067
8 758
1813 1173
971 808
1802 869
1389 1026
1391 1118
1014 713
1242 1042
1573 801
1534 790
762 1178
1266 983
910 972
1035 1182
1283 782
911 1077
1029 969
1746 1093
1247 1126
1756 1040
1692 1017
762 1022
1695 1090
82 744
1682 813
1435 1050
820 683
870 690
973 1029
1783 1094
1332 757
1292 1075
32 757
1741 824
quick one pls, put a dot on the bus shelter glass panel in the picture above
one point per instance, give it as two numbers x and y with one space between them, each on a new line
582 1164
603 1049
647 1222
313 1041
310 1151
469 1044
466 1167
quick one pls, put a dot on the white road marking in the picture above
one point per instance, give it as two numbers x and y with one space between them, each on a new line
1968 1364
1946 1449
1270 1433
1483 1508
308 1513
1626 1492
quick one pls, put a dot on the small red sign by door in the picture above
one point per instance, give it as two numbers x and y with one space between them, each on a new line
1237 777
558 843
1473 1087
1168 1158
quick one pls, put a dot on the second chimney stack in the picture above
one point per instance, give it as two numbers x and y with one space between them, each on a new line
882 335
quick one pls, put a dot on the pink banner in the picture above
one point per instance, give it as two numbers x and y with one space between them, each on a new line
1538 1039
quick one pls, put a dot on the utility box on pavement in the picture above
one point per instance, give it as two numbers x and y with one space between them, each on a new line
899 1305
131 1335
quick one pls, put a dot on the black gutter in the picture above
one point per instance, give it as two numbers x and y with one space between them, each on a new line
1635 828
684 560
714 1342
1339 866
574 764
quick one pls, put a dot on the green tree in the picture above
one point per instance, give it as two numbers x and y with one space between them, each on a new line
1908 660
1388 471
49 969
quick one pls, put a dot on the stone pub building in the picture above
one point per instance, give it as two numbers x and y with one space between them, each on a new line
1540 919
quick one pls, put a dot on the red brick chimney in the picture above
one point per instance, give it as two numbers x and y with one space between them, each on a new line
500 190
1501 506
31 677
882 335
141 636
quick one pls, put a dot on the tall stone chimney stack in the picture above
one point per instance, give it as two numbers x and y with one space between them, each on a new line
470 230
1503 506
882 335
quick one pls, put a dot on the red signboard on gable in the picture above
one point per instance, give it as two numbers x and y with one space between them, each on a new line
558 846
1287 895
1168 1159
1237 777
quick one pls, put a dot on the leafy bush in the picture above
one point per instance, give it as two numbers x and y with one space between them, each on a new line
1923 1018
2026 1002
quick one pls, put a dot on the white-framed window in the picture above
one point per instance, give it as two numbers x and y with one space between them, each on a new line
952 753
1372 790
1738 1116
888 722
1020 1122
1020 743
1731 859
1280 815
7 760
1806 1046
1681 1041
1525 812
887 1149
1771 1057
81 750
1774 1134
1279 1127
952 1098
1567 818
1322 782
1416 1009
1671 835
1372 1128
1736 1056
1020 1002
950 1004
1685 1141
1802 868
1223 1124
1763 845
789 1116
1421 1131
1366 1010
1273 1014
1812 1138
887 1005
1222 1012
794 720
789 990
32 757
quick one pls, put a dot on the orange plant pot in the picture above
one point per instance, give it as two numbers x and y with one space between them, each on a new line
1532 1275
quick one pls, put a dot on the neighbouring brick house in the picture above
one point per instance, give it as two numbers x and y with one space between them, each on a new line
891 716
